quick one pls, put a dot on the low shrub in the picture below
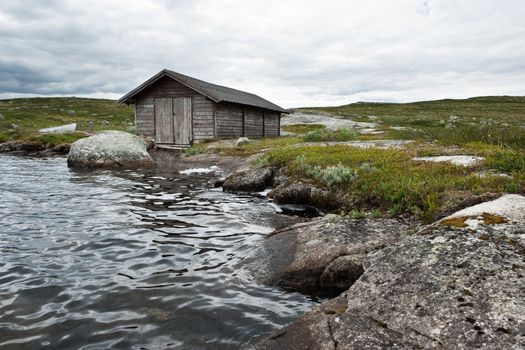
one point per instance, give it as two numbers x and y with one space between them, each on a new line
322 135
387 180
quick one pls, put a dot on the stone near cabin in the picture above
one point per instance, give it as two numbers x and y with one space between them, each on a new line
242 141
110 149
59 129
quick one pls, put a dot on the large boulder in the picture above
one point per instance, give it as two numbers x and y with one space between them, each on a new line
109 149
322 256
448 286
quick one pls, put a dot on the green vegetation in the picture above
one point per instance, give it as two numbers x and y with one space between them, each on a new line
389 180
20 118
195 149
258 145
51 140
322 135
493 120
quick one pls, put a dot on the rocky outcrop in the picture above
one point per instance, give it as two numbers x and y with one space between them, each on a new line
324 255
109 149
33 148
448 286
248 178
306 193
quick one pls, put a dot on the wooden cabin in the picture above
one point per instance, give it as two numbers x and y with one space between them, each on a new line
175 109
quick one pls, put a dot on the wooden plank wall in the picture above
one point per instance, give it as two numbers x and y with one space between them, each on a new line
229 120
271 123
203 109
254 122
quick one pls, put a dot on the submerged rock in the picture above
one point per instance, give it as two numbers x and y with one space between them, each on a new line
324 255
445 287
109 149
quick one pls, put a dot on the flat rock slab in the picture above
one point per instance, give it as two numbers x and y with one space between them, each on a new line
456 160
323 255
381 144
328 121
442 288
109 149
509 208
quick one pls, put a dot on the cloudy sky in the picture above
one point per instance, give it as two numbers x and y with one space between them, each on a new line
295 53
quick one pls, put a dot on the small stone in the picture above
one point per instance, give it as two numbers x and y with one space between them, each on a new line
242 141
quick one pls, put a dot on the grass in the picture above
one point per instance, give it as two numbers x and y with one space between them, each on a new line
258 145
51 140
388 180
497 120
323 135
20 118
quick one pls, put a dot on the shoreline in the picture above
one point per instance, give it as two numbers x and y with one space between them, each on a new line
363 260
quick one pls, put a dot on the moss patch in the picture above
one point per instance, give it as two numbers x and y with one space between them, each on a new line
455 222
492 219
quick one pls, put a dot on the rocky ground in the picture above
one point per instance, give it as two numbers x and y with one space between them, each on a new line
33 149
442 287
456 283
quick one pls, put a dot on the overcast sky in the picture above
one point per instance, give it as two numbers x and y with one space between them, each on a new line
294 53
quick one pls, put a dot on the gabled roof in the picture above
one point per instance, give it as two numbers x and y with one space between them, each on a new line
216 93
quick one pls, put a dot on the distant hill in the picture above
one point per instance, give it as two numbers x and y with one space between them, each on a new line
21 116
501 107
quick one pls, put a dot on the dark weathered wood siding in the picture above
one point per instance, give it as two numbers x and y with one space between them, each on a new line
209 119
254 122
203 109
229 120
271 123
234 120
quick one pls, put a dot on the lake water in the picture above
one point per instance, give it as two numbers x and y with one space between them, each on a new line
130 260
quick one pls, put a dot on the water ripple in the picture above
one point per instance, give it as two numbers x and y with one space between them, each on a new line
130 260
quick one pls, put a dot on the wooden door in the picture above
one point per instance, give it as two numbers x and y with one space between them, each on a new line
182 120
164 120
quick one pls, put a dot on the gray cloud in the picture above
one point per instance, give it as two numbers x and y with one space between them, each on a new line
294 52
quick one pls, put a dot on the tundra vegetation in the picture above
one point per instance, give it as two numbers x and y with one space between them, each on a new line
21 118
389 182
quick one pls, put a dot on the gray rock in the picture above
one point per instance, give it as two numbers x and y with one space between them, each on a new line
303 192
248 179
445 287
329 327
324 255
242 141
109 149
